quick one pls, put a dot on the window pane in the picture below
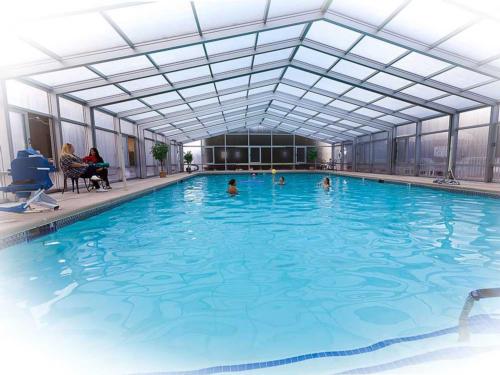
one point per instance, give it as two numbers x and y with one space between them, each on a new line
433 154
40 135
436 124
103 120
471 153
26 96
18 132
237 154
71 110
476 117
76 135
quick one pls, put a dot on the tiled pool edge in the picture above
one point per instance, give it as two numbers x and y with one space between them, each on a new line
26 235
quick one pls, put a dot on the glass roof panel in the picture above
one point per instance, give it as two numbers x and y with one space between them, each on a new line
343 105
97 92
427 21
473 42
332 35
162 98
177 108
124 106
353 132
462 78
315 122
392 119
300 76
235 95
276 112
306 111
220 13
333 127
144 83
362 94
187 74
424 92
143 116
264 58
420 112
368 112
200 103
284 33
264 76
280 8
178 54
491 90
371 12
352 70
148 22
19 51
295 117
281 104
230 83
457 102
328 117
123 65
313 57
420 64
62 77
389 81
198 90
377 50
332 86
230 44
391 103
317 98
370 129
259 90
229 65
290 90
72 35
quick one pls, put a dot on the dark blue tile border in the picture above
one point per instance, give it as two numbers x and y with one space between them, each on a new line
477 323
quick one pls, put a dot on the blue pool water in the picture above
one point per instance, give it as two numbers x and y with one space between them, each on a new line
188 277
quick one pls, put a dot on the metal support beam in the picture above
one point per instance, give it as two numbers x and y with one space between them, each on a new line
6 151
142 153
492 145
120 150
452 143
418 147
354 154
390 151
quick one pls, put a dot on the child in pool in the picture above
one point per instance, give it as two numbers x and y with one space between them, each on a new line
231 189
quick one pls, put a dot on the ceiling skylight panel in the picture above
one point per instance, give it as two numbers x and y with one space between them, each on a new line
20 52
144 83
283 105
353 132
230 65
268 57
389 81
315 58
187 74
129 64
230 44
296 117
142 116
260 90
290 90
276 35
370 129
368 112
315 122
351 69
391 103
462 78
332 86
162 98
424 92
377 50
428 21
280 8
264 76
198 90
332 35
475 41
362 94
306 111
178 54
97 92
63 77
343 105
349 123
155 20
420 64
236 95
371 12
233 82
491 90
333 127
222 13
301 76
392 119
71 35
420 112
457 102
317 98
177 108
124 106
201 103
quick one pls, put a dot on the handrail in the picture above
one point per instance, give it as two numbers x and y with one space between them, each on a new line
475 295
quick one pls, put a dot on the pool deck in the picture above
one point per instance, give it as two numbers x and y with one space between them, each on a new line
72 203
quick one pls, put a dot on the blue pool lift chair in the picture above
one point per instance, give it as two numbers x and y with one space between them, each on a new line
30 180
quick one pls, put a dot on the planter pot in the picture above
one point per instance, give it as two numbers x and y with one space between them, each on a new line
163 174
188 169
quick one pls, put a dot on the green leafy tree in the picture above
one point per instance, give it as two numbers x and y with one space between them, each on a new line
159 152
312 154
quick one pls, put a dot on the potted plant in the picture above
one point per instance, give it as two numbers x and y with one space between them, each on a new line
312 154
160 151
188 158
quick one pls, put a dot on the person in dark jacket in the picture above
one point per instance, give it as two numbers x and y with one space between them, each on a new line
94 158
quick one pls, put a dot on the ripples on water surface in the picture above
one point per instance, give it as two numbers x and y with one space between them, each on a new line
188 277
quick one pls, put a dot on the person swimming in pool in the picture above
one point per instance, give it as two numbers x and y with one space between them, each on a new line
326 183
281 181
231 189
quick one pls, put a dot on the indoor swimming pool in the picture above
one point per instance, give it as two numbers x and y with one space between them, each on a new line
188 277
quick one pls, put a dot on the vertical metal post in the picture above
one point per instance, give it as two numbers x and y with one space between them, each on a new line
390 151
142 153
57 140
272 149
342 159
371 152
6 152
492 144
225 152
121 150
294 151
181 157
355 154
452 143
418 143
90 121
169 156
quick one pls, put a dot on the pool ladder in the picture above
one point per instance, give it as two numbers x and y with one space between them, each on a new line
475 295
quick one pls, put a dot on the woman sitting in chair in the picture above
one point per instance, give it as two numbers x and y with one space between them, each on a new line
95 159
74 167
